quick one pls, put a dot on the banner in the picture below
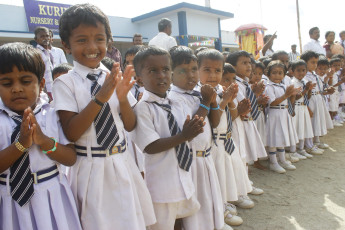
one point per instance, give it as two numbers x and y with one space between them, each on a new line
46 14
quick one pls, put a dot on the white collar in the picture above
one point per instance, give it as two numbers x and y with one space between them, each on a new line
83 71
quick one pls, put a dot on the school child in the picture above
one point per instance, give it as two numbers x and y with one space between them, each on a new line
280 129
138 88
284 58
34 194
335 81
262 100
188 101
107 186
61 69
302 119
321 120
243 184
254 145
341 88
158 134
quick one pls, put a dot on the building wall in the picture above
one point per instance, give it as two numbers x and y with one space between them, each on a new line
198 24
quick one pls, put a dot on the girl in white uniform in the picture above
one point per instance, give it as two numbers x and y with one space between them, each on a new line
106 183
34 194
280 130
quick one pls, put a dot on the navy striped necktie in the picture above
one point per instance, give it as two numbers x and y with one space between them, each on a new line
106 130
253 103
137 92
340 88
318 84
21 182
305 100
290 107
195 93
228 142
184 157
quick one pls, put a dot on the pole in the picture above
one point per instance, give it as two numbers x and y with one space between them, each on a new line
299 28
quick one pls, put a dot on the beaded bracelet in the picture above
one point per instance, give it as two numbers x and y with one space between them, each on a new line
53 149
205 107
215 108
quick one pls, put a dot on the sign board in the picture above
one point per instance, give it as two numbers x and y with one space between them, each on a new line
46 14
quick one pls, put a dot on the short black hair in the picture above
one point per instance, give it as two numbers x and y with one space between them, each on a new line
82 14
62 68
311 31
266 61
333 60
260 65
199 50
328 32
38 29
276 54
181 55
274 64
132 51
294 45
228 68
323 61
233 57
341 32
297 63
341 56
144 53
163 23
267 37
108 62
211 54
137 36
307 55
23 56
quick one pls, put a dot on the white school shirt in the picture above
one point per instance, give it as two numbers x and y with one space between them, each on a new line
72 92
163 41
298 83
287 81
314 45
166 181
310 77
241 91
273 92
58 55
49 66
188 105
49 123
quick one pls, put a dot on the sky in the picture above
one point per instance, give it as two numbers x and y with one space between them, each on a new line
276 15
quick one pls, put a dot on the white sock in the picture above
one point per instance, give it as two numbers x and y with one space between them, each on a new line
301 145
292 148
316 140
272 155
281 155
309 143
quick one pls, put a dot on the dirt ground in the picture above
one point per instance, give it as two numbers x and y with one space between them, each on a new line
311 197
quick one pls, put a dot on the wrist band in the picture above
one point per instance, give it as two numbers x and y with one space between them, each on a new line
205 107
20 147
215 108
53 149
97 101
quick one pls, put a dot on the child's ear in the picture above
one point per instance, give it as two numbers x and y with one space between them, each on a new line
42 83
67 47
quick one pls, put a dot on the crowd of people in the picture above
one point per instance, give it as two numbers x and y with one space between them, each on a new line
161 140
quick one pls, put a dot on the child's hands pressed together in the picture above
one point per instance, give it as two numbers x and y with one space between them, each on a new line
125 84
330 90
309 85
109 85
26 130
290 90
208 94
38 137
263 99
193 127
243 107
297 91
230 93
258 88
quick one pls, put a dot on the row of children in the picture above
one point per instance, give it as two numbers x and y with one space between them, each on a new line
198 122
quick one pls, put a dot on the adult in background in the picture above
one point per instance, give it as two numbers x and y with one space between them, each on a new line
293 55
137 39
114 53
314 43
267 50
330 46
42 37
58 54
163 38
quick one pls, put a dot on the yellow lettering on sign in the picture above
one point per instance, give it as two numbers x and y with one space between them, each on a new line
56 11
42 11
50 10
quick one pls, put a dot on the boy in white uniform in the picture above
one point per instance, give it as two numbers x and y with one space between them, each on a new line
167 151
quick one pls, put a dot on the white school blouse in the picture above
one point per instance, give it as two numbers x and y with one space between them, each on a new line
166 181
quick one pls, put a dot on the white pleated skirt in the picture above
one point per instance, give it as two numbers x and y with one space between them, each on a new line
321 120
208 193
302 122
52 207
334 101
261 126
280 129
254 144
111 193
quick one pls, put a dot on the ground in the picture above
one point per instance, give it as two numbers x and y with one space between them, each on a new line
311 197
